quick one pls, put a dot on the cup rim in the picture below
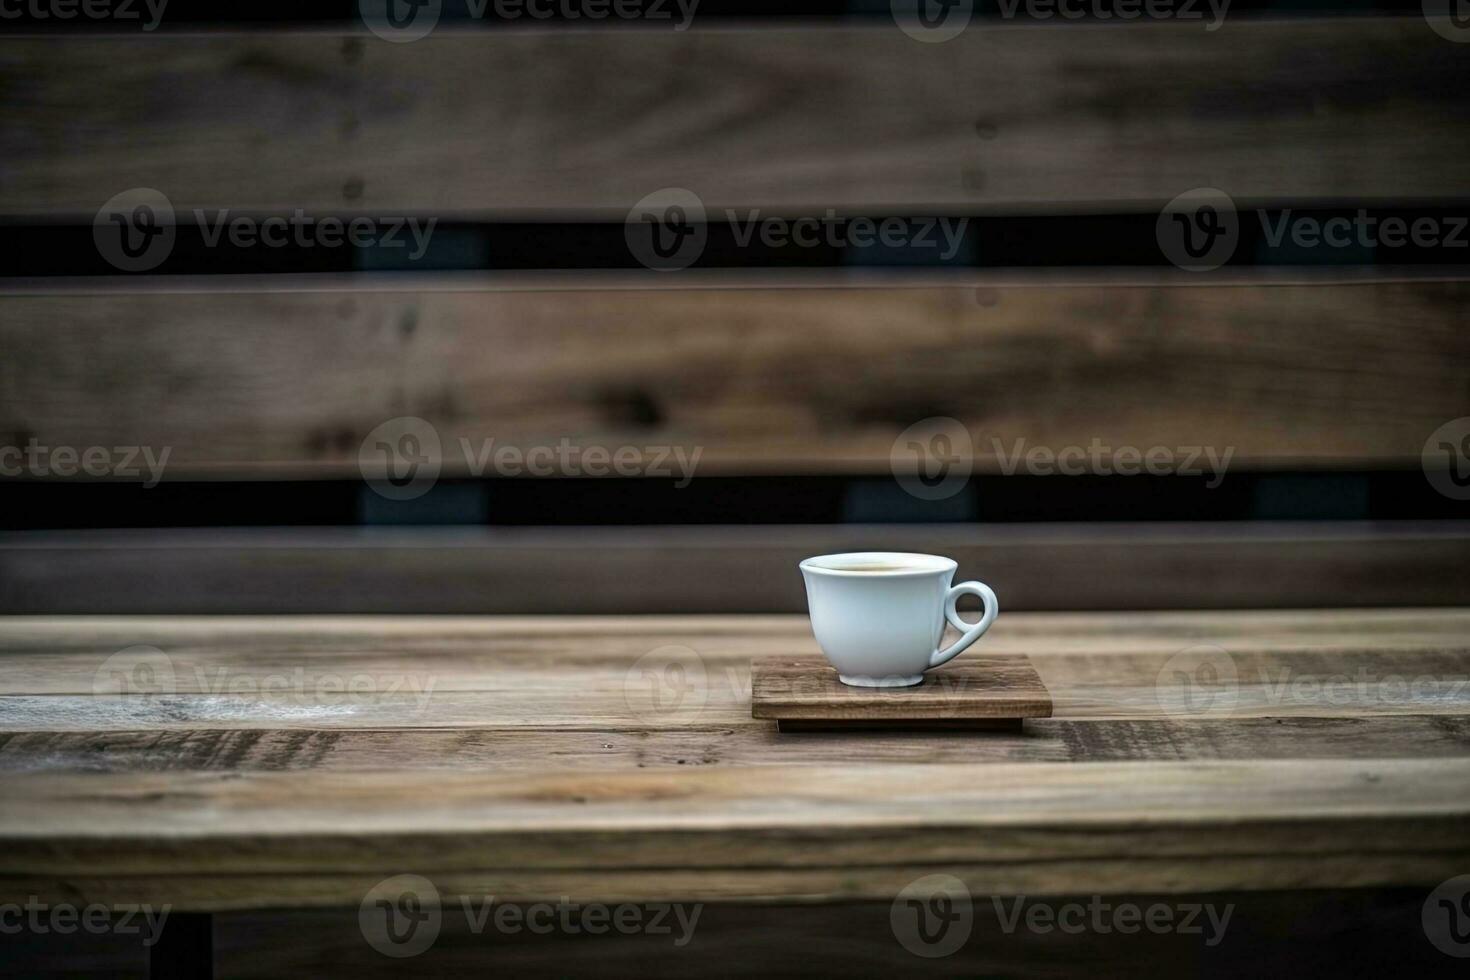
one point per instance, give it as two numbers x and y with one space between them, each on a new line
938 563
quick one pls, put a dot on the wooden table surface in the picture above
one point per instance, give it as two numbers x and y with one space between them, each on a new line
227 763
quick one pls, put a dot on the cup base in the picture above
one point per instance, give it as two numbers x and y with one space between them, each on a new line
891 680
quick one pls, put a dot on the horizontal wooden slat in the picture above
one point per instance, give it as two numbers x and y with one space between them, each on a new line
541 705
1404 867
752 380
614 749
226 841
574 693
722 569
445 640
782 119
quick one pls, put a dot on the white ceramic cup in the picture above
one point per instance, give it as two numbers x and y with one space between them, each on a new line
882 628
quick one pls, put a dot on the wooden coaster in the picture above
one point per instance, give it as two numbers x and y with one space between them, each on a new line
975 693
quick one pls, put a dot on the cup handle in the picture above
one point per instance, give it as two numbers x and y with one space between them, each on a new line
970 632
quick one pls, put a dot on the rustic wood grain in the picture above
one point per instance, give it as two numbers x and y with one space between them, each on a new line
804 694
1419 870
786 120
683 682
544 767
589 639
677 681
613 747
620 570
820 380
235 840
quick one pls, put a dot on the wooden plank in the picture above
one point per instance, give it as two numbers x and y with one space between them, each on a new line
786 120
754 381
582 640
208 892
643 570
671 691
622 704
229 840
612 748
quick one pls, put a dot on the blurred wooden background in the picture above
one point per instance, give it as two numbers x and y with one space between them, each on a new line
1347 369
790 120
